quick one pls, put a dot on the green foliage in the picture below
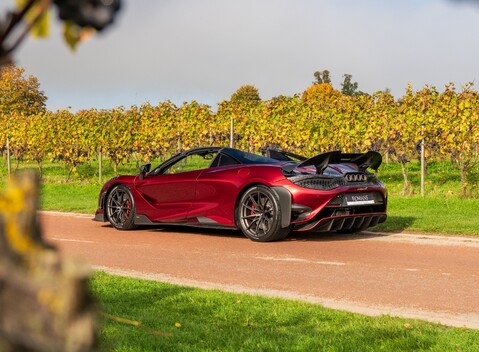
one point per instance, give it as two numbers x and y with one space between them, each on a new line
70 141
322 77
322 119
348 87
246 94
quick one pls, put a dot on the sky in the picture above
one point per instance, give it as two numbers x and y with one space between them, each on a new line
204 50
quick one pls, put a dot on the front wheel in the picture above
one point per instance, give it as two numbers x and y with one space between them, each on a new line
120 208
258 215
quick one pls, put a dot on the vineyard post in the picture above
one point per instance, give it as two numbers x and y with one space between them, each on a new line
423 162
179 143
100 166
232 130
9 165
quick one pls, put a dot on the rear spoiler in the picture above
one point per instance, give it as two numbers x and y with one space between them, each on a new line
321 161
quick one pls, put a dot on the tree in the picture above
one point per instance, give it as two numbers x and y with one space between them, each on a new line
246 94
348 87
322 77
20 93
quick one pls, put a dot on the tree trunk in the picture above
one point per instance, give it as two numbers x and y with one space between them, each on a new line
45 304
40 167
464 167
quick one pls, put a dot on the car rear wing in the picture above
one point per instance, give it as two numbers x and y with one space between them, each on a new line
366 160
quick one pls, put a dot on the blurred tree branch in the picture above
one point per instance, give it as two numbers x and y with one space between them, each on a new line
31 16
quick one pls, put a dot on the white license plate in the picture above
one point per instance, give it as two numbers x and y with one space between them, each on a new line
360 199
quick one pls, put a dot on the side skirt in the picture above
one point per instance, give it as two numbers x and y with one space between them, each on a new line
143 220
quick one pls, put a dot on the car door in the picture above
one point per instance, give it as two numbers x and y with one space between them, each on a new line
169 196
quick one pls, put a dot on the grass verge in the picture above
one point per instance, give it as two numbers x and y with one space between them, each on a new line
432 214
210 320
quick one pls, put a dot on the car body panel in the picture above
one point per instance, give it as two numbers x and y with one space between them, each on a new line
168 197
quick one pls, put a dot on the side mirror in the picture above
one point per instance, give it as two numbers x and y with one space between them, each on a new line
144 169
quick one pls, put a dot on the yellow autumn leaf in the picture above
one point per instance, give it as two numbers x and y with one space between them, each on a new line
41 28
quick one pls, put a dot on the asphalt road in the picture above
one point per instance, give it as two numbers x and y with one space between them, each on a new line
434 278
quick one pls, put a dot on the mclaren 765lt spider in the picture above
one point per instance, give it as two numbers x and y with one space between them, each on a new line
265 196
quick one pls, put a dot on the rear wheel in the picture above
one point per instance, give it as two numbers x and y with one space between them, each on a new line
258 215
120 208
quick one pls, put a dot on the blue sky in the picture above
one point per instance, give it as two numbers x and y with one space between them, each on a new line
183 50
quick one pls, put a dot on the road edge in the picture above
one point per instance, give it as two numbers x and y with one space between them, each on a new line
470 321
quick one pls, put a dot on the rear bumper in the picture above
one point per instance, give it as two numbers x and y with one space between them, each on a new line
346 222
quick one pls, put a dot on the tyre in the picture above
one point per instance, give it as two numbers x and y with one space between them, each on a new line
258 215
120 208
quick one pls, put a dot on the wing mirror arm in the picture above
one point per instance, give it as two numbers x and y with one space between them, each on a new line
144 169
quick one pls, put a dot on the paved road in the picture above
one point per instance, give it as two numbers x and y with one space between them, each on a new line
427 277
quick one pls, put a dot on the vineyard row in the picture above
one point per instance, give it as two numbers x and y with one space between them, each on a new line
446 122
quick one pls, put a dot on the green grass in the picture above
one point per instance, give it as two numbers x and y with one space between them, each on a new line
210 320
441 211
437 215
442 179
78 198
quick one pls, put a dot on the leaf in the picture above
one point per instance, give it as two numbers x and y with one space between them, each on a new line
136 324
41 28
74 34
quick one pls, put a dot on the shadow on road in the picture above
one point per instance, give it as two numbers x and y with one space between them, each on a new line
394 224
331 236
293 236
203 231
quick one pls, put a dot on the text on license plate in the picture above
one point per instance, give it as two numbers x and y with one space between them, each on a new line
359 199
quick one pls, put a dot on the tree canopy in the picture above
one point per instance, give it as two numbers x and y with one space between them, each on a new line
20 93
348 87
246 94
322 77
320 92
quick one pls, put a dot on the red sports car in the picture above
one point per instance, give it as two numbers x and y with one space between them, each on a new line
266 196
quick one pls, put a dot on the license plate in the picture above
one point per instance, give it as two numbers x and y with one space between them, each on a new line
359 199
